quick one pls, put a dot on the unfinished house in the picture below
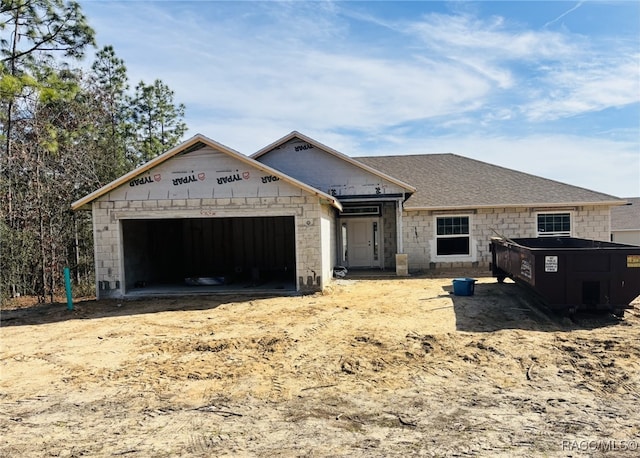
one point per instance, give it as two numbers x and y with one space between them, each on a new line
203 217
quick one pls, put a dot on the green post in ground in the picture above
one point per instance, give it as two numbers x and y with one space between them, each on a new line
67 285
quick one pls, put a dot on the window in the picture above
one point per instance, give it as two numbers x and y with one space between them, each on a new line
375 240
372 210
343 251
554 224
452 236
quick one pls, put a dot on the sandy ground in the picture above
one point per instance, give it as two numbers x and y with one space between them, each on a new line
395 367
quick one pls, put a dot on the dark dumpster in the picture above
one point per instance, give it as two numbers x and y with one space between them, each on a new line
569 273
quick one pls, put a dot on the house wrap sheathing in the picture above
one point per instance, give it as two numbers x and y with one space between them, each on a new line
204 211
203 217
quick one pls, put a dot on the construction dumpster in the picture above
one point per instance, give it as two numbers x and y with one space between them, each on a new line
571 274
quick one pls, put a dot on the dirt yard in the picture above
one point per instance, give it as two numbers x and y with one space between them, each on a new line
370 368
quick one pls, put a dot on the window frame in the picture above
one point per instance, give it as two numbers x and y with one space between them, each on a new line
554 233
460 235
355 211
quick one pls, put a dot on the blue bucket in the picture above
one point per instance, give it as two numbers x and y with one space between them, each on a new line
463 286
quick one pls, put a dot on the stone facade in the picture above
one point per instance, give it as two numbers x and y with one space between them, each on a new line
307 212
389 234
299 185
589 222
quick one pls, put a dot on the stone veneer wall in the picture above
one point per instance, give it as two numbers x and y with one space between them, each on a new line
107 238
390 242
589 222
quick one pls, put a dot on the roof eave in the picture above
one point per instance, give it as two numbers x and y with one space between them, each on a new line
520 205
137 171
213 144
336 153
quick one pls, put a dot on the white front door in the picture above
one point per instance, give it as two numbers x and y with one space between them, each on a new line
363 242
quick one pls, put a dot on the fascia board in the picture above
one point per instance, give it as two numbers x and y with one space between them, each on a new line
333 152
215 145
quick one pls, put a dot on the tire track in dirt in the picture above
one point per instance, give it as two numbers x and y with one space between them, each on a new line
332 375
295 356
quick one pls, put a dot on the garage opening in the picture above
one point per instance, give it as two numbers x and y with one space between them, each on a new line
209 254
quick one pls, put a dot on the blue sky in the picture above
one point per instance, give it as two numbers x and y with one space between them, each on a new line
545 87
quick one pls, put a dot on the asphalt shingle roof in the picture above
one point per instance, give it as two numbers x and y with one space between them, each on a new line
452 181
627 217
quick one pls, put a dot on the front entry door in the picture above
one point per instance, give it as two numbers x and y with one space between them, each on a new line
362 242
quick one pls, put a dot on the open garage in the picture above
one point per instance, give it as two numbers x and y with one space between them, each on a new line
239 252
203 219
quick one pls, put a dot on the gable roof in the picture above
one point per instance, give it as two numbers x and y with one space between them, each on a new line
196 142
374 171
449 181
627 217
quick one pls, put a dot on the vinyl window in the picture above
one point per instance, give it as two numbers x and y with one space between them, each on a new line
554 225
452 236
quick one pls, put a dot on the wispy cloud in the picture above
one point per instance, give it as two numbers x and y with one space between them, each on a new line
552 75
570 10
270 60
576 89
252 74
465 36
361 80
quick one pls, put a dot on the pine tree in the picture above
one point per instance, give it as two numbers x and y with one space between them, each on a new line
109 84
38 33
156 122
64 133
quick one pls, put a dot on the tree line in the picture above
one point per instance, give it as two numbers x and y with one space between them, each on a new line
65 131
